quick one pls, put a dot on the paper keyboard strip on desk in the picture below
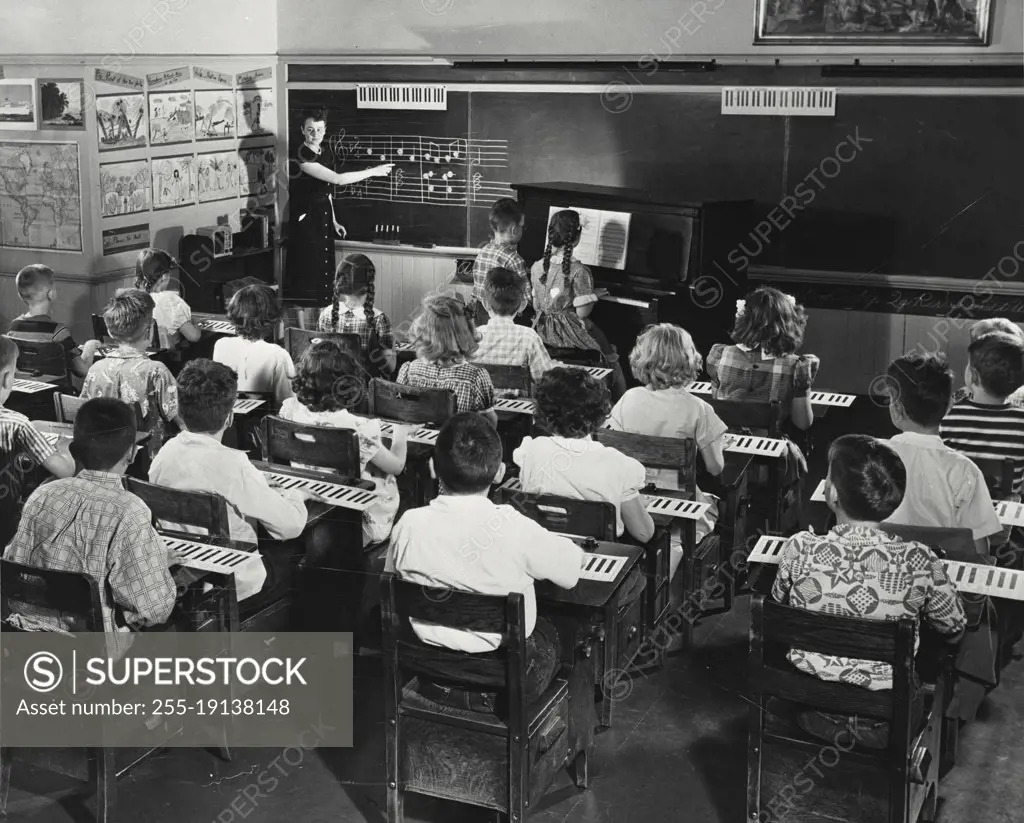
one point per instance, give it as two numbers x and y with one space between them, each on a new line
218 326
665 506
601 567
347 497
757 446
211 558
817 398
767 549
515 404
31 386
417 434
245 406
51 437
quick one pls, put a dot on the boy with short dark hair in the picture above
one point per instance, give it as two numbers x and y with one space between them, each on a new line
502 341
37 289
506 220
839 572
944 489
196 460
128 373
89 523
464 541
986 424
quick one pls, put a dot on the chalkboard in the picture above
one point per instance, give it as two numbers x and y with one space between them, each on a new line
425 196
933 186
930 185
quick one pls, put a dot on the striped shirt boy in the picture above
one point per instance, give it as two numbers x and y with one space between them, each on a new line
987 432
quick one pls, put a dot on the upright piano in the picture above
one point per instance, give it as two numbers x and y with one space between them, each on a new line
673 266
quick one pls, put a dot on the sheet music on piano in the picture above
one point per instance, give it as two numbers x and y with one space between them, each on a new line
604 237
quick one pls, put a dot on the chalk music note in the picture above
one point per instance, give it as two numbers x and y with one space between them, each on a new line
435 152
447 177
427 176
456 148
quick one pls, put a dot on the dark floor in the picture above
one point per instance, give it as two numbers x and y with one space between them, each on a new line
676 749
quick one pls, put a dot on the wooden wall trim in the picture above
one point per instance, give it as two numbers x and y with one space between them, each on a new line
345 246
891 281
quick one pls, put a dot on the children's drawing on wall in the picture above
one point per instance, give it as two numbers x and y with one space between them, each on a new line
170 117
215 114
120 121
174 182
257 172
124 187
256 111
62 104
217 173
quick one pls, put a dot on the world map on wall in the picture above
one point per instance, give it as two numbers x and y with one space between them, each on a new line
40 196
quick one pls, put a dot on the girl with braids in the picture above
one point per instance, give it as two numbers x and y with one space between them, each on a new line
563 296
154 269
353 312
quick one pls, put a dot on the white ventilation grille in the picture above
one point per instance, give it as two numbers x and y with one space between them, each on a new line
774 100
402 96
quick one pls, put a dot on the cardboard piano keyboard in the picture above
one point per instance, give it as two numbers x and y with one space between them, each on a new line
594 371
245 406
515 404
969 578
419 434
665 506
603 568
1008 512
31 386
52 438
218 326
757 446
211 558
818 398
347 497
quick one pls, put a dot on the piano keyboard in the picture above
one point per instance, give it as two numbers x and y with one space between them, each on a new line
518 405
601 567
1008 512
968 578
347 497
51 437
211 558
217 326
665 506
595 371
246 406
757 446
818 398
419 434
403 345
31 386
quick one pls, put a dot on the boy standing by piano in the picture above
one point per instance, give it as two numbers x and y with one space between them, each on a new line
502 251
196 460
858 570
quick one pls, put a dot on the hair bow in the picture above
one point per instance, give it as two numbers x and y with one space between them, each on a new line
741 307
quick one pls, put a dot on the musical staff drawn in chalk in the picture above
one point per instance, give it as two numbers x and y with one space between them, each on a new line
441 171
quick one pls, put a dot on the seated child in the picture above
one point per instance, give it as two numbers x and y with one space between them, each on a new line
502 341
197 461
90 524
944 489
261 366
22 448
572 405
445 339
839 572
665 360
128 374
454 542
154 271
328 376
353 312
986 425
507 221
37 290
564 297
980 329
762 365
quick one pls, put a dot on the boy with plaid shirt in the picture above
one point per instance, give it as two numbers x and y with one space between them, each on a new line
506 221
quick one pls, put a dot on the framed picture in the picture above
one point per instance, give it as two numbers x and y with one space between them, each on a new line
257 171
171 118
121 121
174 181
215 114
873 22
40 196
125 238
62 104
256 112
124 187
18 105
217 175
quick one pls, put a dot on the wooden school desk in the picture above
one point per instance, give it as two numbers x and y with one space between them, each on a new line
587 617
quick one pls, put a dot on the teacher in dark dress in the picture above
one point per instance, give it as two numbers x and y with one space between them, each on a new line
309 278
